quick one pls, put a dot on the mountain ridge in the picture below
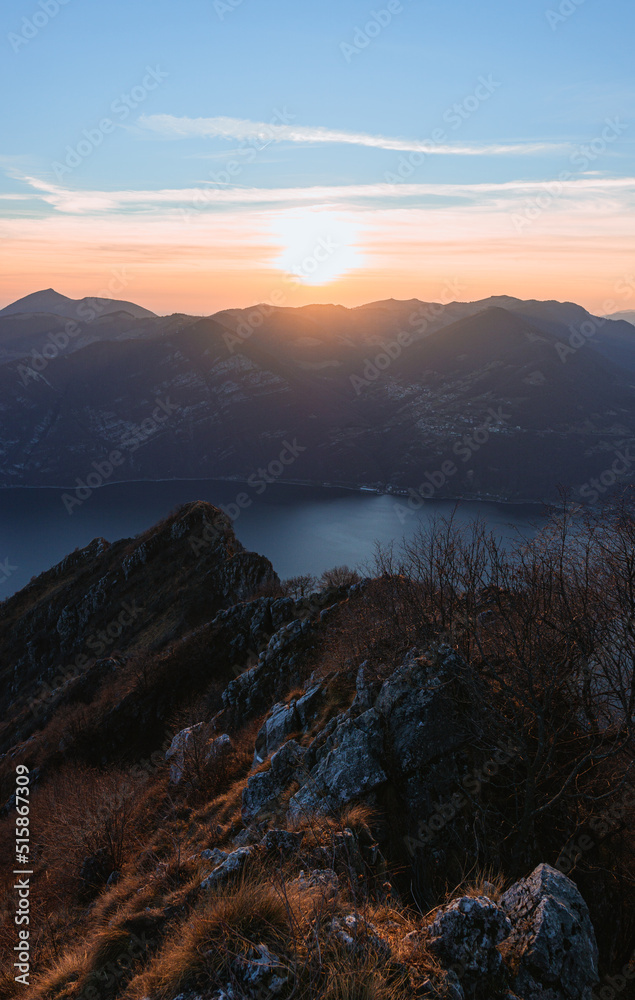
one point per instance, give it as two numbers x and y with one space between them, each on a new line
249 759
377 396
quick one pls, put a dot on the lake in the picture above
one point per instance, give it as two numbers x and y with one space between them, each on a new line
302 529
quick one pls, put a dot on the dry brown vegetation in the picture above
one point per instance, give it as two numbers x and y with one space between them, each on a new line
548 638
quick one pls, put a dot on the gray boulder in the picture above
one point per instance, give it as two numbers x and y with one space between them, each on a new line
324 880
181 747
307 705
367 687
260 797
420 715
215 855
277 727
465 935
552 937
228 869
189 752
349 766
356 933
285 842
260 972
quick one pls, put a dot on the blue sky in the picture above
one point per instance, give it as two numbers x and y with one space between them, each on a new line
533 82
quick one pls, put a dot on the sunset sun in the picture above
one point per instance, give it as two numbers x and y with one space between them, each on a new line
318 246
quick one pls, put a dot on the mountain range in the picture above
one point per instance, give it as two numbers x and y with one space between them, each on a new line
500 398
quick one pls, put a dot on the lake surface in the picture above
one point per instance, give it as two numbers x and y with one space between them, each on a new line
302 529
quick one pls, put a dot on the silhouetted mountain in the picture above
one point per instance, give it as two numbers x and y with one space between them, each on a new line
381 395
628 316
49 301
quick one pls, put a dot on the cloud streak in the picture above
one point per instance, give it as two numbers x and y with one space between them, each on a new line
173 127
88 202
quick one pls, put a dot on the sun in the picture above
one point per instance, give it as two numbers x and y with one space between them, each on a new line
318 246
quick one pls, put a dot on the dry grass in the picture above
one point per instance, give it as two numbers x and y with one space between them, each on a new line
224 926
61 981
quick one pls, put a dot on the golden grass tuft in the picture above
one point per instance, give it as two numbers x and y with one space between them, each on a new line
227 923
60 982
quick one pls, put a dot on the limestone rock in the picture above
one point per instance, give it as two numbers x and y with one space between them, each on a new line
465 935
355 933
552 936
285 842
260 972
279 724
181 746
229 868
349 766
264 788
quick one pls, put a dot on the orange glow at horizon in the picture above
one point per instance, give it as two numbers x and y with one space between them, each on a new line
180 285
236 262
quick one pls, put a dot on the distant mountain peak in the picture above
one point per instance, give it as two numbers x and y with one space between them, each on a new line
48 300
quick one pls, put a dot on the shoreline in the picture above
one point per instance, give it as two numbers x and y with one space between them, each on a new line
397 493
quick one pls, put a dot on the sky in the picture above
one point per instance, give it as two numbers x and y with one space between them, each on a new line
210 154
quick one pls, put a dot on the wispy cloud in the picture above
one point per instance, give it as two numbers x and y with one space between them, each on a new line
88 202
173 127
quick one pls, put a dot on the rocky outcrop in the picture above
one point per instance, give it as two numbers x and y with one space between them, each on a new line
552 936
347 760
264 789
465 935
230 867
190 754
103 598
358 934
280 664
408 734
348 766
537 941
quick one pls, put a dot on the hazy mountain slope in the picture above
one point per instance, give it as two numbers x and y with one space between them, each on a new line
218 399
49 301
36 338
627 315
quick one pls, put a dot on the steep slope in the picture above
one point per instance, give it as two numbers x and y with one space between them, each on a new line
251 795
135 593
